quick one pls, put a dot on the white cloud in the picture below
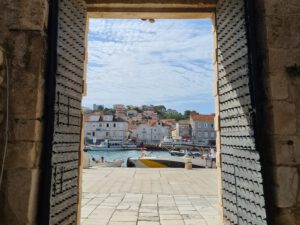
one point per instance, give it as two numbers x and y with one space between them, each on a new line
136 62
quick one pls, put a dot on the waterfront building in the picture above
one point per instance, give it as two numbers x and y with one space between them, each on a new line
174 134
105 127
150 133
203 128
183 130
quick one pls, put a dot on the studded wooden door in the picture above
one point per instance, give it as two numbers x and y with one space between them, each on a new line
242 184
65 75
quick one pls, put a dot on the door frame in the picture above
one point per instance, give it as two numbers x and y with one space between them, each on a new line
139 9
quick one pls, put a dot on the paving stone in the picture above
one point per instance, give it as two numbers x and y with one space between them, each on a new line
148 223
172 222
171 217
121 223
148 218
196 222
124 218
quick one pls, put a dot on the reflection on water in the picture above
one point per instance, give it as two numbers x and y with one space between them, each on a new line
114 155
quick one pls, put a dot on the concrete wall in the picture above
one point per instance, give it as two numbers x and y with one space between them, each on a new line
23 38
279 42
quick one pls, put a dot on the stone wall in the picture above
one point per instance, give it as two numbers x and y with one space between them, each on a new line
279 42
23 38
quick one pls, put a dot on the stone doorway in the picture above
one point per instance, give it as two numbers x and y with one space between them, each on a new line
273 91
237 150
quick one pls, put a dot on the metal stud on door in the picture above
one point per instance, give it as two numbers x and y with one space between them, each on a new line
243 193
67 75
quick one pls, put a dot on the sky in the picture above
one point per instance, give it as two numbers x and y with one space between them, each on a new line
135 62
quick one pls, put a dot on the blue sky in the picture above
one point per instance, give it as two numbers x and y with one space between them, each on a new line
135 62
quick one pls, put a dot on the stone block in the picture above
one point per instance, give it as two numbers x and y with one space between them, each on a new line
283 31
22 155
27 77
280 58
285 216
217 122
286 150
25 130
287 182
281 7
22 195
284 118
26 14
279 87
27 93
218 141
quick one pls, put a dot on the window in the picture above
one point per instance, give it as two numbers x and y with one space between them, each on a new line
93 134
205 134
107 125
199 125
212 134
88 133
199 134
100 124
205 125
114 125
107 134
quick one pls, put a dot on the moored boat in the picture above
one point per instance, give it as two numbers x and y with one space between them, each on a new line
115 163
113 146
164 162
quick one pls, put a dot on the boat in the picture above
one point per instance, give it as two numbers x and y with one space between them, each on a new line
167 140
114 163
113 146
87 148
164 162
178 153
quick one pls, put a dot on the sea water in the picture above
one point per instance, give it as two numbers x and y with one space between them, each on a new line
123 155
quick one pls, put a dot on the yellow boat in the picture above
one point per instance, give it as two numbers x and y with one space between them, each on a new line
164 162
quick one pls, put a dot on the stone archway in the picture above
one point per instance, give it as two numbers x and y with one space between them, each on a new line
239 162
23 42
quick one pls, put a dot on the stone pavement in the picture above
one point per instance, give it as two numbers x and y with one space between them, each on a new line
134 196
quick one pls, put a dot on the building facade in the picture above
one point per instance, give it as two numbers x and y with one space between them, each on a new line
107 127
183 130
150 134
203 128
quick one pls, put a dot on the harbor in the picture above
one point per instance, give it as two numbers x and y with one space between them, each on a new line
136 196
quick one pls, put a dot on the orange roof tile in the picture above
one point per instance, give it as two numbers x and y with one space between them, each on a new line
200 117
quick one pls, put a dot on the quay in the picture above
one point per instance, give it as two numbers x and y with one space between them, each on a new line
137 196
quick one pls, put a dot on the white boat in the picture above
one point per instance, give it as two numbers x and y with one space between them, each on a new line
178 153
166 141
115 163
112 146
164 162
